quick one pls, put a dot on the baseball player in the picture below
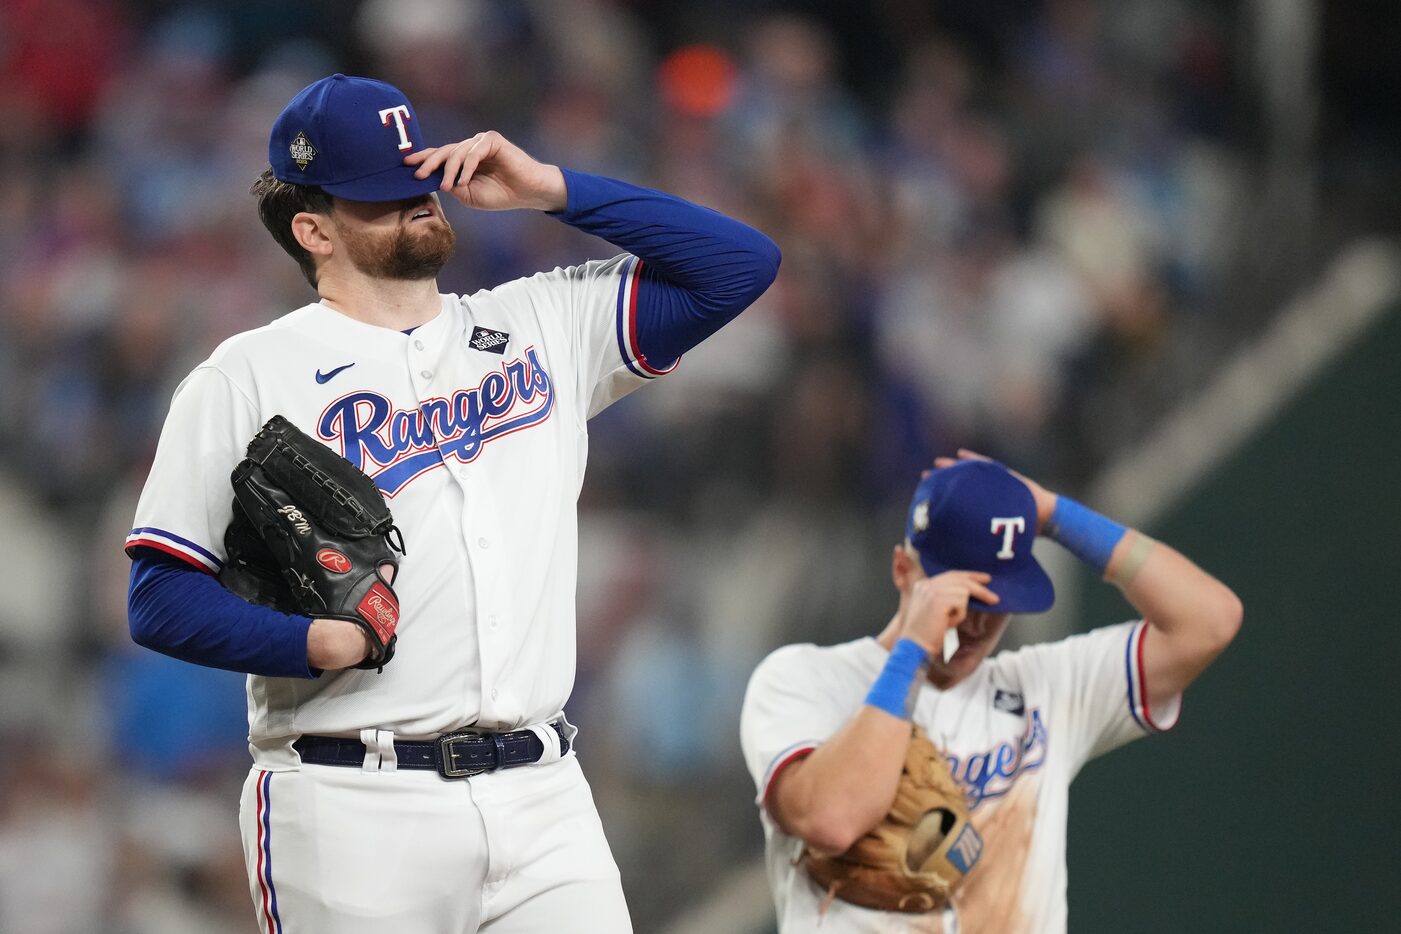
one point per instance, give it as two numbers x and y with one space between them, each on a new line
827 731
441 793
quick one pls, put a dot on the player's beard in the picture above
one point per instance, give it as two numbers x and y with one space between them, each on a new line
415 250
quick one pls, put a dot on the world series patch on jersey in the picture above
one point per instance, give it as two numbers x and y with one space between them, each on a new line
472 426
1014 735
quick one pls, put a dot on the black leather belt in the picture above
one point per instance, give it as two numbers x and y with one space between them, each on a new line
453 755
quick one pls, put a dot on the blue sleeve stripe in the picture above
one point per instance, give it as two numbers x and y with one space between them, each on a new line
620 318
626 317
173 544
1128 677
779 763
1133 671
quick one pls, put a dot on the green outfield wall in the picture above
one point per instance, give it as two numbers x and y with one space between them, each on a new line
1271 806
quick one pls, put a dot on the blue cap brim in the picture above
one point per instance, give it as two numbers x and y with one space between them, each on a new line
393 184
1025 590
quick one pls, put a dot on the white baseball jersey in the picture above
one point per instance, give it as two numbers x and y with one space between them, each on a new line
473 427
1015 734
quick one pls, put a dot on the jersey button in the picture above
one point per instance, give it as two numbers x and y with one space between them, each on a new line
495 693
492 621
484 542
427 374
418 345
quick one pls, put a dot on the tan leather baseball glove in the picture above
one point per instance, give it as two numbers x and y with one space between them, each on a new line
916 856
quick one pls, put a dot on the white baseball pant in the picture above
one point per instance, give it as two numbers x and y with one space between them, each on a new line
336 850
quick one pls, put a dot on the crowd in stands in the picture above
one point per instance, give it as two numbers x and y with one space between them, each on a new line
998 222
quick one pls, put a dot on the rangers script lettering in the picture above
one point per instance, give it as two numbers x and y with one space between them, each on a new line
407 442
991 774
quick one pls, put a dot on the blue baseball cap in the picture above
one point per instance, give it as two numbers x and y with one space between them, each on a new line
349 136
976 516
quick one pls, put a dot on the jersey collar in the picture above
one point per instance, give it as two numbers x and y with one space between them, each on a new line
373 340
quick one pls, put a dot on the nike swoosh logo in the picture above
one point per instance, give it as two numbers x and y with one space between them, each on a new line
327 377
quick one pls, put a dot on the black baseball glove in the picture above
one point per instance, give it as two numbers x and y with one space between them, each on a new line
311 534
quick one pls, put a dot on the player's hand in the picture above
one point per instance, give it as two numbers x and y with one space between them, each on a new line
939 603
1045 499
332 644
490 173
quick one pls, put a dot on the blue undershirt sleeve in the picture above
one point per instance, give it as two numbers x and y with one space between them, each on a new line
187 614
700 268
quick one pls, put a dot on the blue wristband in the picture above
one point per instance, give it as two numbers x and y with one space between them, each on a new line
1084 533
895 687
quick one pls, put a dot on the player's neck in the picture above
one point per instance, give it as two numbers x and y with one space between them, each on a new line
890 633
387 303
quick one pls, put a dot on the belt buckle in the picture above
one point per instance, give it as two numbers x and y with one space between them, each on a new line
447 758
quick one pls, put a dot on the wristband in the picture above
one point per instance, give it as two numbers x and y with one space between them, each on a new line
1084 533
895 688
1132 561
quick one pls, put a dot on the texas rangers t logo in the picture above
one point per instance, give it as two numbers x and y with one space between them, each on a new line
399 115
1009 527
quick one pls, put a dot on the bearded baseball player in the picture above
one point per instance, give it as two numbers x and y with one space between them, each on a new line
413 769
910 782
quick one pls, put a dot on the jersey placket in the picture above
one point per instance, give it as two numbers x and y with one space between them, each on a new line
440 367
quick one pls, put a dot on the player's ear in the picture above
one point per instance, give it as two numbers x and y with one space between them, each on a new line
901 568
312 232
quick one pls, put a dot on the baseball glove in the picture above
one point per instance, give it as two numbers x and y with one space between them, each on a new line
916 856
310 535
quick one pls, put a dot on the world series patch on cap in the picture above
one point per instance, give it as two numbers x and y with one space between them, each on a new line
977 516
349 136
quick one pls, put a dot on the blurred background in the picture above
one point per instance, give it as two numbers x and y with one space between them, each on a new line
1139 249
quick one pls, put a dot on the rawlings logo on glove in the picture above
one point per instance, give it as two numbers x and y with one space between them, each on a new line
312 535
